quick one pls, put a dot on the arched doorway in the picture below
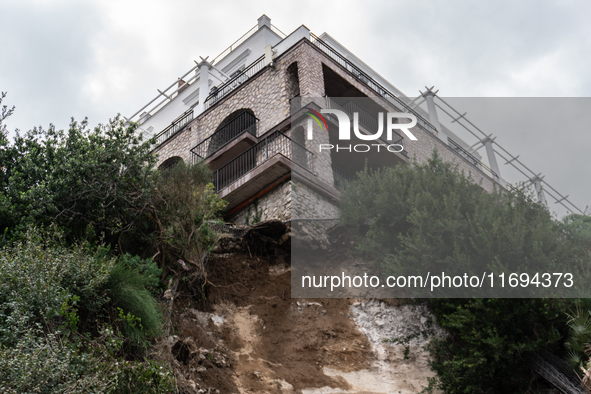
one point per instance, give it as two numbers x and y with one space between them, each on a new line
170 163
231 127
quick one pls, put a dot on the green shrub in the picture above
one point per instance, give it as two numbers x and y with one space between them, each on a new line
77 177
488 341
57 307
137 308
430 217
47 363
38 277
183 204
147 268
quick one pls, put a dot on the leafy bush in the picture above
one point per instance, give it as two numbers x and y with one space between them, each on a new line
429 217
39 278
48 363
183 203
57 307
137 308
488 341
75 178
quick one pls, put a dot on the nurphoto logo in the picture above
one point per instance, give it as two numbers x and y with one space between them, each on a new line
344 122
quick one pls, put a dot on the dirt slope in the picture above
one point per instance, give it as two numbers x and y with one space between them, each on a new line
249 336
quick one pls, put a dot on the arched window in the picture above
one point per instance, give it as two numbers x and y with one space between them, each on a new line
169 163
231 127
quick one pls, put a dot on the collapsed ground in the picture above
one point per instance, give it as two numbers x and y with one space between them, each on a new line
249 336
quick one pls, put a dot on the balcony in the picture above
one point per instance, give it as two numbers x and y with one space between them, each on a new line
177 125
270 159
234 137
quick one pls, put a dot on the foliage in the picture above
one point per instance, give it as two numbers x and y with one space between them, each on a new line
488 339
56 334
74 307
579 334
76 178
184 201
147 268
42 281
100 184
251 218
137 308
430 217
43 362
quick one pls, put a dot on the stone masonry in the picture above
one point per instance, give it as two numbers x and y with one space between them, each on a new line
268 95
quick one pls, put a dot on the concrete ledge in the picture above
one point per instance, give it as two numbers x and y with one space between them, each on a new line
231 150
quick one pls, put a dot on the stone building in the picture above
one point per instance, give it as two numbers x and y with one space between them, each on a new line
245 114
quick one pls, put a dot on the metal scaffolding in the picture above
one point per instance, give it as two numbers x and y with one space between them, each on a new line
493 148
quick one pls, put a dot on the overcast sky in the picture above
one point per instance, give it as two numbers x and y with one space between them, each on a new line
74 58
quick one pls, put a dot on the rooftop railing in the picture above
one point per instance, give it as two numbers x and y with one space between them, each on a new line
244 122
272 145
219 92
177 125
369 81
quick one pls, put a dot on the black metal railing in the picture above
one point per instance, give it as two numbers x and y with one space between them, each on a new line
470 158
366 118
341 178
245 122
370 82
219 92
253 157
177 125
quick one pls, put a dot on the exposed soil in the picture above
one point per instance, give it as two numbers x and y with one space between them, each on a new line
249 336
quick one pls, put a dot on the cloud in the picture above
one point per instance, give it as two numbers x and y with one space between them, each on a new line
64 58
45 58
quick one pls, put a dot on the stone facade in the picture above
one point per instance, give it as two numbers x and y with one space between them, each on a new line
268 95
309 204
274 205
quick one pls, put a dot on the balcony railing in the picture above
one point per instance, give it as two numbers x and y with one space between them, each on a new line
369 81
366 118
177 125
341 178
219 92
253 157
470 158
244 122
